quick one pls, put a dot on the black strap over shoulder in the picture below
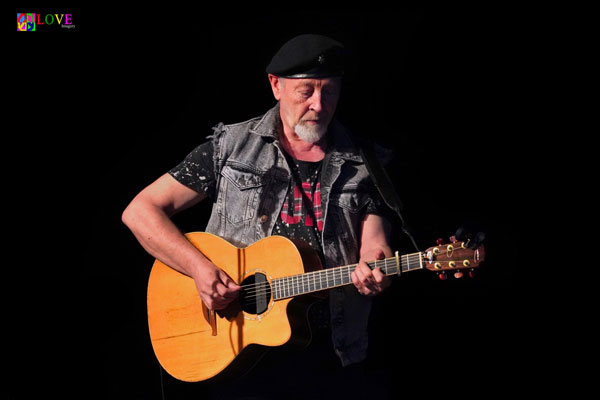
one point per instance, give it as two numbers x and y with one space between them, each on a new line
384 184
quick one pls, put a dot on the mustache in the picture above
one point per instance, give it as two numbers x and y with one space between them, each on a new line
316 119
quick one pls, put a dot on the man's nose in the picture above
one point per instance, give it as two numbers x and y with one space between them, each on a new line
316 104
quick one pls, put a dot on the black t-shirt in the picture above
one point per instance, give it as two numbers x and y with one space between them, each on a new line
301 216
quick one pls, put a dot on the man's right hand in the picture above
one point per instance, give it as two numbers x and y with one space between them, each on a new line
149 218
215 287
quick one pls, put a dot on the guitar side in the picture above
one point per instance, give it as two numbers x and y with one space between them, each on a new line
181 334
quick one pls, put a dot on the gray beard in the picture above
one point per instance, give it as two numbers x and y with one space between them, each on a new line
310 134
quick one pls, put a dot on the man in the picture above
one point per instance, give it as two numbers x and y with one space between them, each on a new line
296 172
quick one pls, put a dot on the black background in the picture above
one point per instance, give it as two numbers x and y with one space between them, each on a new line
98 113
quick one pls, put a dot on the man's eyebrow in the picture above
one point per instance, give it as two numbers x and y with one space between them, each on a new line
304 86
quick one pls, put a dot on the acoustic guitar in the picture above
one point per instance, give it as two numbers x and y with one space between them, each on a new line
193 343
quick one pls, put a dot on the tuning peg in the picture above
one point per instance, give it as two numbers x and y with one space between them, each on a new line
472 273
458 274
439 242
442 275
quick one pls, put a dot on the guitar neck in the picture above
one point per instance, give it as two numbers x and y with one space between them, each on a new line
296 285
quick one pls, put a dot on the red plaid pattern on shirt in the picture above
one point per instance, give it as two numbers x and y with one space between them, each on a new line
300 209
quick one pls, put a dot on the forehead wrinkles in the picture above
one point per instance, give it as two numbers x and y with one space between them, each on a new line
312 83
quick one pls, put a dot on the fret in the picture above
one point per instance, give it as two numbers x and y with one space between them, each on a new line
334 272
333 277
280 282
319 282
294 285
331 280
278 285
347 275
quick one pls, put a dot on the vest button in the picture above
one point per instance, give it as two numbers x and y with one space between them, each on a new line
263 218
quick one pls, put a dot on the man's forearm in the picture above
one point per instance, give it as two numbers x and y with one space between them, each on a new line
159 236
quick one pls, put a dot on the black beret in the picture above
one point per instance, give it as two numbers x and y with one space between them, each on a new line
308 56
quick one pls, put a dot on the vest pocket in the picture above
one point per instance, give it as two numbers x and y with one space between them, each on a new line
350 197
239 193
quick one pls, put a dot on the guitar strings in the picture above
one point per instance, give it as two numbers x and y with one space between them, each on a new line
303 281
331 278
304 278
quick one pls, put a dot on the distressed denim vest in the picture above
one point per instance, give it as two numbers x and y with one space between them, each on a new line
252 181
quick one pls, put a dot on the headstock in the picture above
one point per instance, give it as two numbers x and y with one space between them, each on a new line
455 256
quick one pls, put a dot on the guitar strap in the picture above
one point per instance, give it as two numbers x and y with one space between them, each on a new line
384 185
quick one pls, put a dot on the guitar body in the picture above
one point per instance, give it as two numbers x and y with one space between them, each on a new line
190 346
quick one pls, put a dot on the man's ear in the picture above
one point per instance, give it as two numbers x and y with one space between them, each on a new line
275 86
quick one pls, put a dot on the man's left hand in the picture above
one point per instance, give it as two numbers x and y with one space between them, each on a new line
370 282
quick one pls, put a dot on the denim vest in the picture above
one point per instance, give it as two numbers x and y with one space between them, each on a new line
252 180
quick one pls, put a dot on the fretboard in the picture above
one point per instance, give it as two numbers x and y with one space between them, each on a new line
310 282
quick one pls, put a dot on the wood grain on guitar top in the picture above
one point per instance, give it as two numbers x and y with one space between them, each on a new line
181 335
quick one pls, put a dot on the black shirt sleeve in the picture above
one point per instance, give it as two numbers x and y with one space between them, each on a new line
197 170
376 204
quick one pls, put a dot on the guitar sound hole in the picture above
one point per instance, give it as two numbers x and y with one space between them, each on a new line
256 294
